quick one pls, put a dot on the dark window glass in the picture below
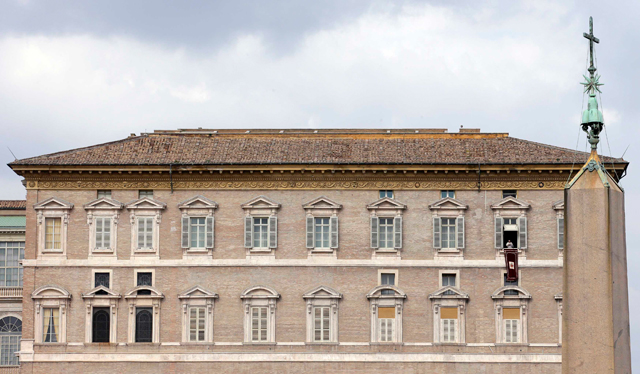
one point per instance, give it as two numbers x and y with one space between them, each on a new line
101 324
102 279
509 193
145 279
449 280
510 283
144 325
386 193
388 279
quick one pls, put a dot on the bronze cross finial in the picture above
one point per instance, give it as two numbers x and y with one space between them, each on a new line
592 39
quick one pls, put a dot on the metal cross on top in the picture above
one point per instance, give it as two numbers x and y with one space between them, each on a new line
592 39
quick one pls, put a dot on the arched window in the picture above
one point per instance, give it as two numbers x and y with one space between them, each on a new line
10 335
144 325
101 325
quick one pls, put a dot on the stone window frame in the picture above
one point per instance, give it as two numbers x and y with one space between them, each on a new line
261 207
134 301
197 296
52 207
135 276
511 207
198 207
145 207
93 276
103 208
322 296
449 297
450 271
11 348
448 207
378 299
260 296
558 299
322 207
386 208
105 299
558 206
519 301
50 296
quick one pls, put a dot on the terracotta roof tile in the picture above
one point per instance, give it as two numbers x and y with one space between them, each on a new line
13 204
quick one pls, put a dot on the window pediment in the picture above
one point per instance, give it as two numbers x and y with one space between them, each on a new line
198 292
133 293
448 203
558 205
146 203
101 292
322 292
198 202
50 292
376 293
442 293
104 203
386 203
53 203
321 202
260 292
522 293
260 202
511 203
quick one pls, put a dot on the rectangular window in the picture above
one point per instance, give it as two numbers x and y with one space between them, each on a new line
104 193
103 233
448 325
386 193
510 283
386 233
144 325
101 279
447 193
50 325
145 232
259 324
560 232
9 345
387 323
449 280
197 232
510 232
511 320
145 193
196 324
261 232
448 227
145 279
322 232
52 236
387 279
509 193
321 324
10 269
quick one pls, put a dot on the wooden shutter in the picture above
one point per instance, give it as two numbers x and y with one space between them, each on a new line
560 232
248 231
460 232
522 230
498 226
397 232
310 227
185 232
437 243
273 231
333 225
374 232
209 232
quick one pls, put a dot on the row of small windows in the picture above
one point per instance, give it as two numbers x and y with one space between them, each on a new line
259 302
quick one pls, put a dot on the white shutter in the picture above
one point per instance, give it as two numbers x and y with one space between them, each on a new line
248 231
310 227
397 232
209 232
273 232
522 230
333 224
498 227
374 232
460 232
185 232
437 243
560 232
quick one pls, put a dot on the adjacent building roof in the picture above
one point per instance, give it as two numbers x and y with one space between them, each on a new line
364 147
13 222
13 204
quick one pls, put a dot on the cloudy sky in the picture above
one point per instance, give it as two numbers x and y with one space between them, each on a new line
76 73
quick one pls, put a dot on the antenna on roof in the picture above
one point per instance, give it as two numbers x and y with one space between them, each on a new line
16 159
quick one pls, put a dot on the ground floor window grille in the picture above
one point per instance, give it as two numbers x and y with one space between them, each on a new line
101 325
144 325
10 335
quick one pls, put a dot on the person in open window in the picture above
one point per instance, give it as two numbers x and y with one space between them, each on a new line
509 244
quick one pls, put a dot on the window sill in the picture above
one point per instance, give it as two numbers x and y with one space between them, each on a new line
50 344
144 344
449 344
449 250
260 343
259 250
197 343
387 343
512 344
93 344
322 343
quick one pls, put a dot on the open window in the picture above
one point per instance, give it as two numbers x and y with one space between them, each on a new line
510 225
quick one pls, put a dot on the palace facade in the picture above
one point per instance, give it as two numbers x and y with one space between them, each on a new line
296 251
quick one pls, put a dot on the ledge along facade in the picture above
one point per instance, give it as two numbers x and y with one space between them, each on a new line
296 250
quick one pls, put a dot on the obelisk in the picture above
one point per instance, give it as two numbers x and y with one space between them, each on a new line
595 311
